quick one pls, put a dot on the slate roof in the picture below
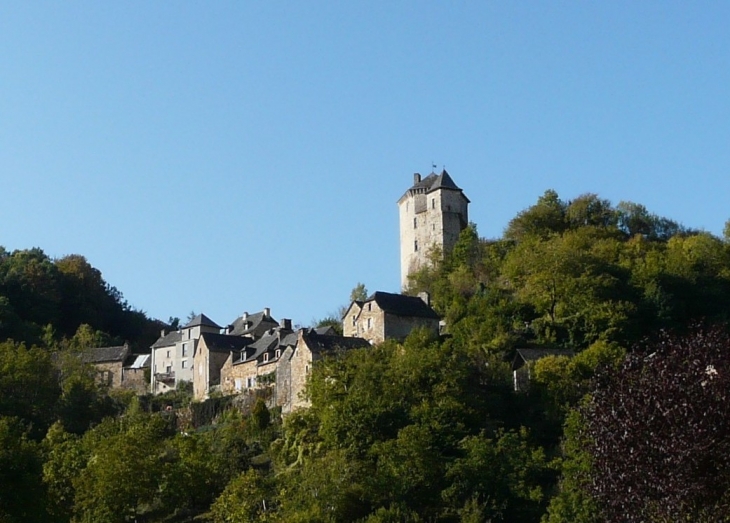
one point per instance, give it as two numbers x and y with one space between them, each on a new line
327 330
224 342
402 305
254 323
168 340
433 182
271 340
328 343
203 321
105 354
526 355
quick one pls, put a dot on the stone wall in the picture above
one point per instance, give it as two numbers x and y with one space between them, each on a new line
301 366
370 323
109 373
134 379
398 327
428 221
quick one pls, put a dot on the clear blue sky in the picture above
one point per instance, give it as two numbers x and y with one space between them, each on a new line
227 156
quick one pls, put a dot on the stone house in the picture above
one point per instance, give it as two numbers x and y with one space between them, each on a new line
135 373
310 347
117 368
172 354
108 362
524 361
386 315
278 364
211 354
255 367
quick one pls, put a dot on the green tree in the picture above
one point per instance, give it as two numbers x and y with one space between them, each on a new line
248 498
22 497
543 219
359 293
122 477
29 386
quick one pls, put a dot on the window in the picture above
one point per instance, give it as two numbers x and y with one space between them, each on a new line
277 355
415 223
353 320
250 383
168 354
168 369
415 245
266 357
239 384
433 226
184 349
306 369
184 364
370 323
370 307
433 203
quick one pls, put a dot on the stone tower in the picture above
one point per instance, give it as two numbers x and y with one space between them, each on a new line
432 214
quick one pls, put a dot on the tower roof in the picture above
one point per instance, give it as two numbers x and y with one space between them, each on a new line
202 320
433 182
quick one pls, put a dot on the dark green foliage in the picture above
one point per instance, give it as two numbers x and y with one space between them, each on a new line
22 496
29 388
36 291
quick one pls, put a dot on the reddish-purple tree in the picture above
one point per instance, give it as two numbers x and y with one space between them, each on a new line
660 431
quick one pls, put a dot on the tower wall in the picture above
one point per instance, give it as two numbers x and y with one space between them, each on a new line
429 220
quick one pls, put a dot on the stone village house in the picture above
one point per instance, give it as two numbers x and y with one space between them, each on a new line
389 316
118 368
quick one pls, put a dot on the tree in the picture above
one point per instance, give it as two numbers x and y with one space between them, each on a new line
544 218
123 474
248 498
21 490
659 431
29 386
359 293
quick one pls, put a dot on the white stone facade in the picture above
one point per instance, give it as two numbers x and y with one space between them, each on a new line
432 214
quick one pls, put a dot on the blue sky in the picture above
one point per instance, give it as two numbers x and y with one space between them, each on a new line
224 157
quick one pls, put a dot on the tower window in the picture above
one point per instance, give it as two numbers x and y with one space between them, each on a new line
415 245
433 203
415 222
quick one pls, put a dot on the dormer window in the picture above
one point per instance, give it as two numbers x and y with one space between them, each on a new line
277 354
266 357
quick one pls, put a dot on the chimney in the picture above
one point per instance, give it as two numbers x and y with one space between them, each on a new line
267 312
162 333
426 297
416 178
285 324
244 317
